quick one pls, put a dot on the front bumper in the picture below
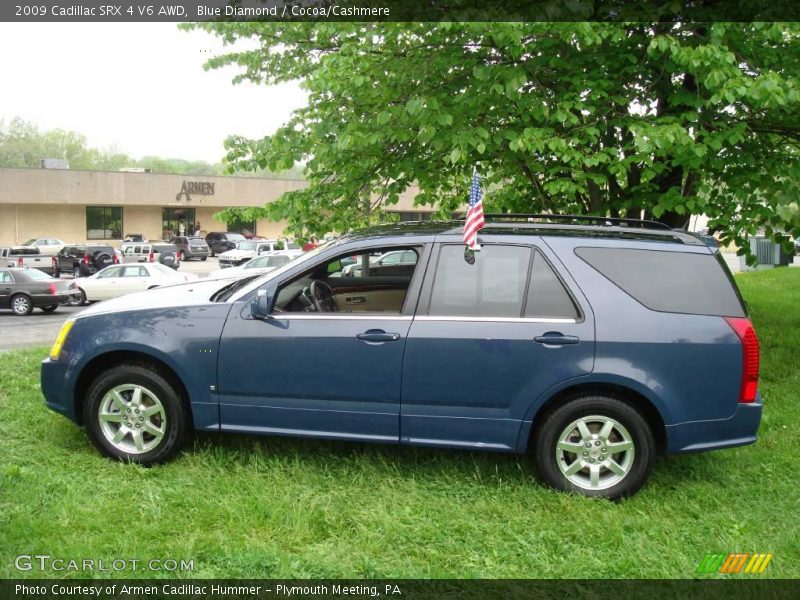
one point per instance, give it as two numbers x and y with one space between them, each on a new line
57 395
701 436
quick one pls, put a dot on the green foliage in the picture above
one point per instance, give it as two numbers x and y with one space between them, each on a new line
665 120
23 145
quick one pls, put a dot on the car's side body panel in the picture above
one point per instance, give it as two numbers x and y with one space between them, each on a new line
185 339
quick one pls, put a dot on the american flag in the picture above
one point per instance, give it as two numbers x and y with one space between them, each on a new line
474 220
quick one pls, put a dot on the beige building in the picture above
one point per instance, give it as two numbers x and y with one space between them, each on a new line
80 206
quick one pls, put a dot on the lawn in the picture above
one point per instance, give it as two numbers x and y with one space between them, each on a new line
267 507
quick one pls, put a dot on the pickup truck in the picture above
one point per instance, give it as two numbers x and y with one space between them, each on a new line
25 256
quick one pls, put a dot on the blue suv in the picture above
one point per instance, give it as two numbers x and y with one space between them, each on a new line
593 345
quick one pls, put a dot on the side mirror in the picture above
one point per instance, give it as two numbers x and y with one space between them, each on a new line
261 306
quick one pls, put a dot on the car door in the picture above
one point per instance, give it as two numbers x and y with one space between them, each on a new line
319 374
107 284
6 288
491 337
134 278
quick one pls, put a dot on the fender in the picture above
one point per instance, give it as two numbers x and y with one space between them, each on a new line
587 380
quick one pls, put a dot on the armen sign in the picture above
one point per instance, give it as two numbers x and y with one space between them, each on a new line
201 188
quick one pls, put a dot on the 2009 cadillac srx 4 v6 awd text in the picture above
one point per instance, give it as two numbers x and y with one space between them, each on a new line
593 346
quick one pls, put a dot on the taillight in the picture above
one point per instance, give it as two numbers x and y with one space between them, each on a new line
54 262
180 255
152 257
115 259
743 329
20 263
86 259
52 289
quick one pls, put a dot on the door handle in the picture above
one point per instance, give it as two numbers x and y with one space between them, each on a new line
556 338
377 336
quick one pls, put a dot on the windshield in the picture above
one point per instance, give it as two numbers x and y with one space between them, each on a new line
222 294
36 275
162 269
30 242
234 237
246 246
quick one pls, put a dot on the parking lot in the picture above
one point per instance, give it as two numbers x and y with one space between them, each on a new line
40 328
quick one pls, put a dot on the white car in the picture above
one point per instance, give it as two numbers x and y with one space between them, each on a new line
47 246
254 266
118 280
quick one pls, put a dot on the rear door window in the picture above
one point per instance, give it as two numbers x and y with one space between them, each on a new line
547 296
679 282
492 285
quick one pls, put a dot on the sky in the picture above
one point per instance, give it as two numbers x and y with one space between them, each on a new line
139 88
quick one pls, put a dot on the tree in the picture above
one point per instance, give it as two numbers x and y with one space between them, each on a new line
615 119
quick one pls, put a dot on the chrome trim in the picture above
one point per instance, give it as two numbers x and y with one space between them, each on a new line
332 317
495 319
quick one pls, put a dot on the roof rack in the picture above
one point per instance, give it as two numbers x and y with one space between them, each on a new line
588 219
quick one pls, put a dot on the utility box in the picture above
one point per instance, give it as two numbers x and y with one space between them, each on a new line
768 253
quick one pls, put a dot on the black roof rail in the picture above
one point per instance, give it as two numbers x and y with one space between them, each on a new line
588 219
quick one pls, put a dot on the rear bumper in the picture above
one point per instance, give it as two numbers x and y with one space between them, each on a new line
701 436
57 394
40 300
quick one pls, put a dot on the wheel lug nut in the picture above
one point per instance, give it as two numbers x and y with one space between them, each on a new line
586 454
591 460
597 443
588 444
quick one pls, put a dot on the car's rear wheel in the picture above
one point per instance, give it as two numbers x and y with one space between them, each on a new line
595 445
49 308
203 258
21 305
133 413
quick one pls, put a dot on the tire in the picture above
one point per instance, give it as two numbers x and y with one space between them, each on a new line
151 436
102 260
21 305
204 258
618 458
49 308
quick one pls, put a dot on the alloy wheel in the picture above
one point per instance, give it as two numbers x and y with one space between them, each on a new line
132 418
595 452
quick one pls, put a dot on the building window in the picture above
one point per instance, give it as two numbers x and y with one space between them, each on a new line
177 222
103 223
246 228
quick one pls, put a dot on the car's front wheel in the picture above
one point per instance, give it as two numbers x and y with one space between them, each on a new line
50 308
595 445
134 413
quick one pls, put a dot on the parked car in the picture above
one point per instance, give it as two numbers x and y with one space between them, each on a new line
118 280
592 347
25 256
254 266
134 237
222 241
244 251
82 260
163 253
22 290
191 247
46 246
396 262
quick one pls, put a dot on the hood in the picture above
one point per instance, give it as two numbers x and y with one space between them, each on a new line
171 296
236 253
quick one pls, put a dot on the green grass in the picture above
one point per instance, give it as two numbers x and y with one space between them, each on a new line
270 507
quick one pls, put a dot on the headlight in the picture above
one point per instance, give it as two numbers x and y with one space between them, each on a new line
55 351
